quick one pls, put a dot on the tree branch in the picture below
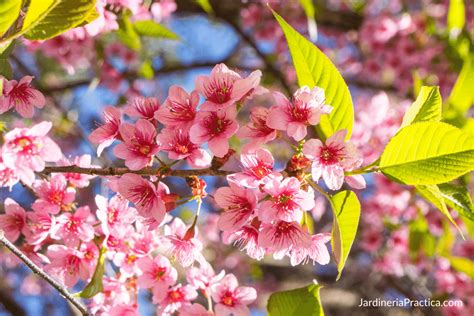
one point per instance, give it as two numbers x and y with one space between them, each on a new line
114 171
30 264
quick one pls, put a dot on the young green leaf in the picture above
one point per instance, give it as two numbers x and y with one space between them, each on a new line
433 194
297 302
346 209
458 198
153 29
95 284
206 6
428 153
427 107
309 10
313 68
462 264
65 15
127 33
461 97
9 11
456 17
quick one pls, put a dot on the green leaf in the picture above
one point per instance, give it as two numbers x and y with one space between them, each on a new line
427 107
428 153
310 12
462 264
458 198
66 15
456 17
420 238
461 97
9 11
206 6
346 209
5 69
313 68
95 284
127 33
298 302
146 70
153 29
433 194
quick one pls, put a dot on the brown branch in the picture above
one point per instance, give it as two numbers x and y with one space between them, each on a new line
10 304
30 264
114 171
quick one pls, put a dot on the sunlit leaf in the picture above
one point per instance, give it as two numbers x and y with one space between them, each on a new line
428 153
9 11
153 29
346 209
458 198
206 6
427 107
298 302
456 17
461 97
95 285
63 16
313 68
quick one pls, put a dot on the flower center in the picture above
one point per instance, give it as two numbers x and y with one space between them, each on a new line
145 149
175 295
228 299
331 155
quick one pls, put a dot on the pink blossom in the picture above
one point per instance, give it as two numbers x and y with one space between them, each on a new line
145 195
215 128
246 239
257 129
173 299
204 277
26 149
124 310
139 144
40 224
114 214
225 87
179 110
21 96
8 176
318 252
107 133
232 299
180 243
156 273
257 169
287 202
53 195
13 222
67 264
195 310
238 204
73 228
178 144
77 179
282 236
304 109
332 159
144 108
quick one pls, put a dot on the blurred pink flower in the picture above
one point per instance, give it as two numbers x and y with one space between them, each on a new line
67 264
26 150
114 214
173 299
77 179
181 243
318 252
257 130
73 228
232 299
156 273
282 236
21 96
13 222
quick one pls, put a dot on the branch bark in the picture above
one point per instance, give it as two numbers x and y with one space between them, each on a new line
30 264
118 171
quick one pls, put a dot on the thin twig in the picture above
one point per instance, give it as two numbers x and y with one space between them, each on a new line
30 264
118 171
